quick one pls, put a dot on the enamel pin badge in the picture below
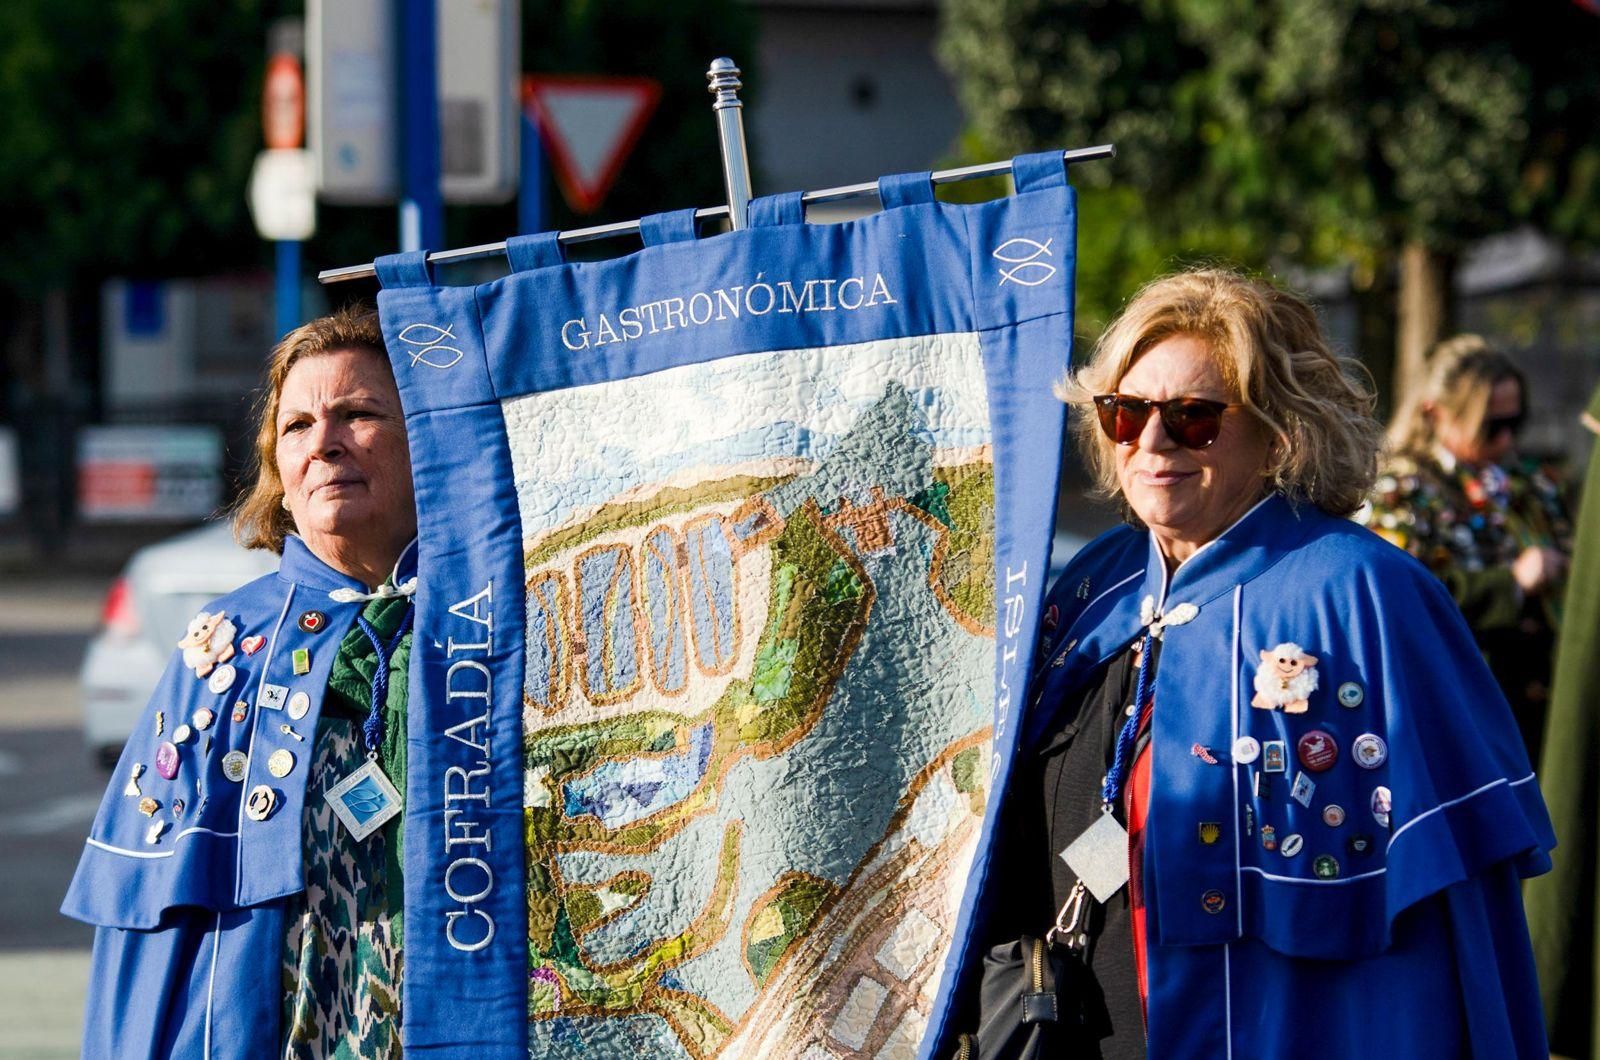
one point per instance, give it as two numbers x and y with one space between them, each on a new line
365 800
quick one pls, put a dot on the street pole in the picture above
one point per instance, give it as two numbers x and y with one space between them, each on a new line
283 123
286 287
421 204
530 179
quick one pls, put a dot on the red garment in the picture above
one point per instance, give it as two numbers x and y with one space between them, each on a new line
1136 804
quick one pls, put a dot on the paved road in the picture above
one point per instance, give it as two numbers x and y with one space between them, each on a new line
49 789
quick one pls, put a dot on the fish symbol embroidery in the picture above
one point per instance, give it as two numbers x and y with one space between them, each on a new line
431 340
1023 254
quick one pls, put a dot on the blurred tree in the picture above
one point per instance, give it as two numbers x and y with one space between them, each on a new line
1382 134
131 126
130 129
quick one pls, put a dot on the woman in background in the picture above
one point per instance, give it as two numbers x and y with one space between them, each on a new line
1493 528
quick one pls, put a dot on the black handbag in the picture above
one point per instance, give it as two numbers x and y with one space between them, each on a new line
1035 1002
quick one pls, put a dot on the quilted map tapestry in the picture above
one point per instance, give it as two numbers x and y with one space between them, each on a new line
731 553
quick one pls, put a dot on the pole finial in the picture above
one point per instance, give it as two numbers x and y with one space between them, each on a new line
724 83
723 78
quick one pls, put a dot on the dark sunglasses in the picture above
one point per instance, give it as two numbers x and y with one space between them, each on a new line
1495 424
1193 423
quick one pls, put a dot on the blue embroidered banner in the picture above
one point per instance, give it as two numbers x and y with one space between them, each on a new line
731 552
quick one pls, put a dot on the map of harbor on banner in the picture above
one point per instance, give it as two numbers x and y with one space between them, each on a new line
731 554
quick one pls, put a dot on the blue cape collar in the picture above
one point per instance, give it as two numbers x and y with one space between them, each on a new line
301 565
1260 538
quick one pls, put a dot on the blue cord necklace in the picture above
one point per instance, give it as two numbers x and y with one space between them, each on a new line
1130 728
366 799
372 728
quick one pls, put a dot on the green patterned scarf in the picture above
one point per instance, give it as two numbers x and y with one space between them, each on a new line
350 694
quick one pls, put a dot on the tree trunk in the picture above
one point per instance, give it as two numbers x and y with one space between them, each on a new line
1373 292
1426 302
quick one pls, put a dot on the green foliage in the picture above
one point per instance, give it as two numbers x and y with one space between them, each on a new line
131 126
130 129
1313 131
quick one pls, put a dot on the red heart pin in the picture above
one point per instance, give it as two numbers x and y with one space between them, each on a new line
251 645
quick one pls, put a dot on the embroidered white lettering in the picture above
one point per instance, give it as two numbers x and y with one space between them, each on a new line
468 947
465 835
583 335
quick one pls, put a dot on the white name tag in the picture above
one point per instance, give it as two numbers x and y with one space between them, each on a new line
1099 857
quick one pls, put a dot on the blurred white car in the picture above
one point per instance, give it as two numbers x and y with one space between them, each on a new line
146 611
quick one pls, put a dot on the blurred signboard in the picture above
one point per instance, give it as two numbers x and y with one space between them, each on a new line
283 194
183 350
353 95
10 474
149 473
590 125
283 102
354 100
480 62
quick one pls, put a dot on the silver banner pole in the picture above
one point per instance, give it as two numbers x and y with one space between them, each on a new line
724 85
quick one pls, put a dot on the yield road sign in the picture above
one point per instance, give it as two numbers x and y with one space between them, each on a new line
589 124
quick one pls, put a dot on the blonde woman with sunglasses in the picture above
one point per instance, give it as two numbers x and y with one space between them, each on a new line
1269 801
1495 528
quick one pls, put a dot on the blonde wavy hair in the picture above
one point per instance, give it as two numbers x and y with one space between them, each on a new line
1316 405
1462 372
260 519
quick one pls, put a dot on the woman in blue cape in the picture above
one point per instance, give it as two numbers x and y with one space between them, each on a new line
243 869
1269 800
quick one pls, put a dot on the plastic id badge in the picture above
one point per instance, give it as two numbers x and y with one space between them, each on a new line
365 800
1099 857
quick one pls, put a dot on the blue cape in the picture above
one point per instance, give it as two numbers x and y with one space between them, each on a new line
190 927
1411 944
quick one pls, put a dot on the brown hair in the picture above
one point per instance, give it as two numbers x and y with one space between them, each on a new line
259 519
1270 348
1461 373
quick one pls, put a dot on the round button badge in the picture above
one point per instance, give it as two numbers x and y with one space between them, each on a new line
1326 867
1369 750
260 803
1333 815
1359 844
234 765
1291 845
312 622
1246 749
1351 695
222 678
1213 901
1318 751
299 706
181 734
281 763
167 759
